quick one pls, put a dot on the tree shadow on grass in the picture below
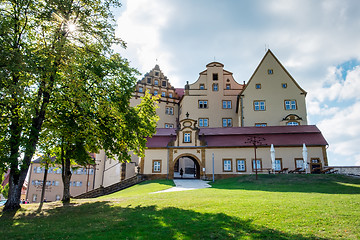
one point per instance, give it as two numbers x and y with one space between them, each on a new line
102 220
306 183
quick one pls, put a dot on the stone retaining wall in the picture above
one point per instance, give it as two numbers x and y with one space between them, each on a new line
112 188
348 170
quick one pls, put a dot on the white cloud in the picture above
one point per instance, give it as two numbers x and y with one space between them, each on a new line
140 26
309 37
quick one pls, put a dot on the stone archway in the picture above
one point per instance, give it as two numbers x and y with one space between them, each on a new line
197 165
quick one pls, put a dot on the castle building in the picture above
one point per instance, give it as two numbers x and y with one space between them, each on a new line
209 127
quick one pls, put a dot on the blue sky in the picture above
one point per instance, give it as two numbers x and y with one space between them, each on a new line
318 42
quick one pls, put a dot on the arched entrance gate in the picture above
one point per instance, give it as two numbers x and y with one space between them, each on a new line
190 165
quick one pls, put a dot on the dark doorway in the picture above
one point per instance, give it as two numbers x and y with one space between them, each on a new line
190 167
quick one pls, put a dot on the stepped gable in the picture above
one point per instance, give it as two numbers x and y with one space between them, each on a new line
156 78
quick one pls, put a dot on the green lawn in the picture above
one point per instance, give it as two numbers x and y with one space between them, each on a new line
274 207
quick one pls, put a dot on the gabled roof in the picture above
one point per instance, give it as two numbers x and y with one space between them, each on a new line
266 55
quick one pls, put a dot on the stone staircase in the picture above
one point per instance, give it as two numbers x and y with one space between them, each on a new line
101 191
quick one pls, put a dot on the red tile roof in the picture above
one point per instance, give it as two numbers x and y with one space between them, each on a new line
179 92
238 136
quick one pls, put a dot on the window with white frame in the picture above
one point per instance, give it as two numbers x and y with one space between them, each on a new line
292 123
227 122
34 169
156 82
240 164
91 171
215 87
259 105
58 171
156 166
187 137
203 103
299 163
290 105
226 104
169 125
39 170
227 165
203 122
169 110
278 165
256 165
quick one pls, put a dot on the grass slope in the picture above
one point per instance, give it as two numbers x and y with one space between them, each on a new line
274 207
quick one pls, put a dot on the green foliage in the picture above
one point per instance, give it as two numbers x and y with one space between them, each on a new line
61 84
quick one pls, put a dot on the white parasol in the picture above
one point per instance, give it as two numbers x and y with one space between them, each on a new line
272 154
305 156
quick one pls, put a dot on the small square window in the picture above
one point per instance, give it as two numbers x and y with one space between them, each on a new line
228 86
215 76
203 104
163 94
202 87
203 122
270 71
284 85
227 122
258 86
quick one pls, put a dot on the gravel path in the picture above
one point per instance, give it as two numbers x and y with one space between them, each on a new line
187 184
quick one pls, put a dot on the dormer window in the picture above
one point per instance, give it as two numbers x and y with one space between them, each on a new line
215 76
157 73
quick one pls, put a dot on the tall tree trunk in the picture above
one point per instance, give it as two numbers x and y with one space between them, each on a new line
66 177
43 186
15 185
